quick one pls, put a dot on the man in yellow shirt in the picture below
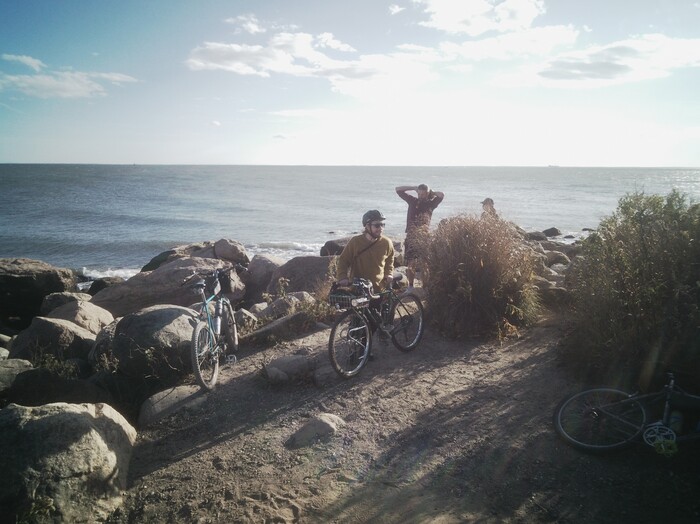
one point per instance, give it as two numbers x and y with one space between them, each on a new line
369 255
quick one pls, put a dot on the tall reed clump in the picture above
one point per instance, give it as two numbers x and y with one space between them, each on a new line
636 290
480 278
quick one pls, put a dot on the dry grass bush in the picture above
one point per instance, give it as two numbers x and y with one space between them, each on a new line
480 278
637 291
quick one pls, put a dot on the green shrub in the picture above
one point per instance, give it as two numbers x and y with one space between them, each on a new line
480 278
636 290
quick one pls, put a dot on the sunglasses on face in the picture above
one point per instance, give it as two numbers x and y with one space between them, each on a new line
378 224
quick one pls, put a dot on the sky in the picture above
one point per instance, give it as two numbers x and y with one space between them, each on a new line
361 82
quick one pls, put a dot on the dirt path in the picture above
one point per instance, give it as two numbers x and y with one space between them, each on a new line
454 432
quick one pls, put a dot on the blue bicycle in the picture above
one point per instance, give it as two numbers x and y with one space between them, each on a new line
215 336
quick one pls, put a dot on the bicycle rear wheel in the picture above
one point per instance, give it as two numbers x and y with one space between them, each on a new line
205 356
599 420
228 325
349 343
407 322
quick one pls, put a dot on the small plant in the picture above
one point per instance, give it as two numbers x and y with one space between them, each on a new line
41 510
480 278
49 361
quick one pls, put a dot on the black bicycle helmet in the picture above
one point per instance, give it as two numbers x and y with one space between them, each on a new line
371 215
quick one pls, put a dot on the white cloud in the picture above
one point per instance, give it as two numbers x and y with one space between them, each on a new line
216 123
475 17
640 58
328 40
395 9
33 63
538 41
65 84
247 23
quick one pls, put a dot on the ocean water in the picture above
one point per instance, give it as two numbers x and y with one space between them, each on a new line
112 219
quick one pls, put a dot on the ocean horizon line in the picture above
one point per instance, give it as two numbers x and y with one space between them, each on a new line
456 166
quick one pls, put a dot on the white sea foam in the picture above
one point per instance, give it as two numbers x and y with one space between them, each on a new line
94 274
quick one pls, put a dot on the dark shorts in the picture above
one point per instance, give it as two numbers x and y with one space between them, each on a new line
415 244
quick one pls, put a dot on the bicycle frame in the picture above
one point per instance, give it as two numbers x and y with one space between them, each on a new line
673 398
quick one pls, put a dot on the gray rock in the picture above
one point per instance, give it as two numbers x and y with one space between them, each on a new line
285 328
74 457
155 342
52 336
552 232
306 273
55 300
25 283
288 368
258 276
102 283
319 427
9 369
85 314
163 286
556 257
169 401
223 249
39 386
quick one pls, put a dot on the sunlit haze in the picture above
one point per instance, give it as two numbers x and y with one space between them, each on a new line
363 82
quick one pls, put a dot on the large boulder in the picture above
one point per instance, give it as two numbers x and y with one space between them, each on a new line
54 300
69 460
258 276
85 314
224 249
307 273
155 343
163 286
60 338
334 247
35 387
9 369
23 285
101 283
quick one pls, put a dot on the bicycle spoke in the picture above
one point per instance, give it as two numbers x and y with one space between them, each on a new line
599 419
205 356
407 322
349 344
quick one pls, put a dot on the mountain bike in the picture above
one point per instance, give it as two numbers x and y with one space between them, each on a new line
605 419
215 336
362 312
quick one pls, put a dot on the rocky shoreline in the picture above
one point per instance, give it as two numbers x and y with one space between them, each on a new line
124 342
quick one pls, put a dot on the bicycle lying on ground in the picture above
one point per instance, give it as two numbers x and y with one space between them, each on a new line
215 336
606 419
397 316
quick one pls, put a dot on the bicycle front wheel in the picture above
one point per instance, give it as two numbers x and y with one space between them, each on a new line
205 357
600 420
407 322
228 325
349 343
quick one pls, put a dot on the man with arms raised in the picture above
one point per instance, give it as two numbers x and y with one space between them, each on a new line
420 212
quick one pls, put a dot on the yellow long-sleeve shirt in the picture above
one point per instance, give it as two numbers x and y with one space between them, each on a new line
373 264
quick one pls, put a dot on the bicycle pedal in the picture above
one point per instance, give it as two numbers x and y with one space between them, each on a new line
231 360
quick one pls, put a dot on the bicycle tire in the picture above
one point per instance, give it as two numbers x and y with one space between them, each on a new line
349 343
407 322
599 420
228 324
205 357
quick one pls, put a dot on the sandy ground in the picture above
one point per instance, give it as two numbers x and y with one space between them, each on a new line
456 431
